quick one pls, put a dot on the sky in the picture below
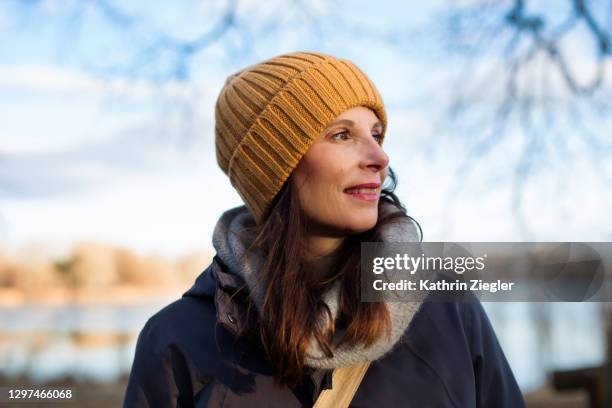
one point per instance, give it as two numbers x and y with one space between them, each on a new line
90 154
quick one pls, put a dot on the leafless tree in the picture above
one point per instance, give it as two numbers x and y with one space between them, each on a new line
536 69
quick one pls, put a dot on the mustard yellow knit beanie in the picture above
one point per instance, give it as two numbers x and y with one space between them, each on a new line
268 114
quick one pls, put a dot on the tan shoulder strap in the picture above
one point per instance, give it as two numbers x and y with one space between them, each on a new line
345 381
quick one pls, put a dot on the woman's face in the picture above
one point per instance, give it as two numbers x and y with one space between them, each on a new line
346 155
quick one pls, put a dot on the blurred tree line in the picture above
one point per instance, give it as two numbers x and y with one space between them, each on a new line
92 265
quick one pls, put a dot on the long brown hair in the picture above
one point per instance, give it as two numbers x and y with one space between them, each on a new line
292 302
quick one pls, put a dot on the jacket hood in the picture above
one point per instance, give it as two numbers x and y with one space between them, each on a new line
231 240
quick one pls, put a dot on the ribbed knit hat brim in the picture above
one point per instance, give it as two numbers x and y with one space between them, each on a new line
268 114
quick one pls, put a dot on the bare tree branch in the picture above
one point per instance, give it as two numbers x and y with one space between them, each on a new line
544 82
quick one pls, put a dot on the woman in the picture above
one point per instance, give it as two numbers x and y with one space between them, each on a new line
266 324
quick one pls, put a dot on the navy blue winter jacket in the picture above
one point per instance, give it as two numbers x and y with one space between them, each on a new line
192 354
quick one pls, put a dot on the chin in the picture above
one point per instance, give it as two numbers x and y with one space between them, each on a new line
364 222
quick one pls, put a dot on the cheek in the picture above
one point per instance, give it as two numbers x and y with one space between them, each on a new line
324 172
321 191
329 181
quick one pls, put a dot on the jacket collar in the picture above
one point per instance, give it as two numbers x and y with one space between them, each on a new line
217 284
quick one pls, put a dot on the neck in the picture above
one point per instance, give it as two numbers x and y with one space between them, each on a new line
321 256
322 246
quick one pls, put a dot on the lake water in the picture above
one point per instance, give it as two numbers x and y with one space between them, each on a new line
98 342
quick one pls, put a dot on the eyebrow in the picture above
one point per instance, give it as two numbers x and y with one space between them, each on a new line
351 123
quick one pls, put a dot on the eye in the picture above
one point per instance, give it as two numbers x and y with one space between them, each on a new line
345 133
378 137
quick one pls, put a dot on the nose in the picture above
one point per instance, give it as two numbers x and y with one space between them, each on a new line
375 157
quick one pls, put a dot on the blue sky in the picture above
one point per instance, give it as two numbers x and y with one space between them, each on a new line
124 159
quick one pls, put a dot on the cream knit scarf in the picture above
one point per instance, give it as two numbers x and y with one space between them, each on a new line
231 249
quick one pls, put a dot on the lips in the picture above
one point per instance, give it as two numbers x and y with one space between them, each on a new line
364 191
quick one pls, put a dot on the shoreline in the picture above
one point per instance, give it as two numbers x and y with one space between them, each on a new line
114 295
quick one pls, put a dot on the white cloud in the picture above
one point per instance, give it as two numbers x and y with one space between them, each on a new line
46 79
169 213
